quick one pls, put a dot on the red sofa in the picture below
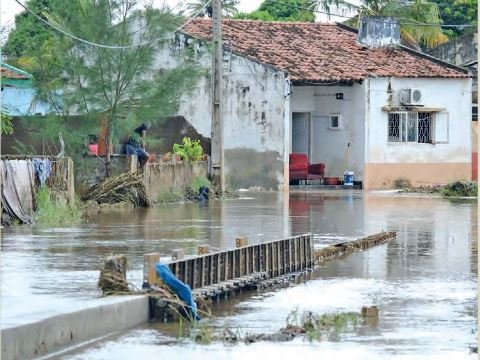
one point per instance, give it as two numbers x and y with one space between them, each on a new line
300 169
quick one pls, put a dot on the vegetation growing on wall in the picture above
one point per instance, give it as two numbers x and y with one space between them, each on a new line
191 150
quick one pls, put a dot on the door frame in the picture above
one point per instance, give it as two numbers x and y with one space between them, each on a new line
309 129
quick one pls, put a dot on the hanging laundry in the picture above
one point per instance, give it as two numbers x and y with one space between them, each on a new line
43 169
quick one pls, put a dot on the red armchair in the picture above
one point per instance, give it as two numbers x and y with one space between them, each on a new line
300 169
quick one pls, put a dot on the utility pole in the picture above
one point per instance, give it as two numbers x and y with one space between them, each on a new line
217 158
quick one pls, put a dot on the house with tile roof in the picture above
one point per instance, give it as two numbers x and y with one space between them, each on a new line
354 101
18 94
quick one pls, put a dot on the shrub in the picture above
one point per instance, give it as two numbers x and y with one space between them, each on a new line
191 150
200 181
51 211
460 188
402 183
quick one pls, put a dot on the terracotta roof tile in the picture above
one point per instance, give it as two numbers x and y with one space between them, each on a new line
10 74
319 52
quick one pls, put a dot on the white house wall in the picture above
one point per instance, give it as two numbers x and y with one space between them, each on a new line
254 104
342 149
422 164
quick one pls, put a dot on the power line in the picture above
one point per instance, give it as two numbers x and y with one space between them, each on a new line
378 21
115 47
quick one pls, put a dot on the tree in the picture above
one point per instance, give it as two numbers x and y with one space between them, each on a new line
200 8
461 12
419 19
6 126
114 84
285 10
29 33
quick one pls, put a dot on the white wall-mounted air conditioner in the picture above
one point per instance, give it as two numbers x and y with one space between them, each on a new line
411 96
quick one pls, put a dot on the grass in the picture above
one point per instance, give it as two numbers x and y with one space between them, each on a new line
170 196
51 211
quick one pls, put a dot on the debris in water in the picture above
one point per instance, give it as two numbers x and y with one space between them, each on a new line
345 248
123 188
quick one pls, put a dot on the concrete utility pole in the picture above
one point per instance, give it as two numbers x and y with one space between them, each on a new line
218 169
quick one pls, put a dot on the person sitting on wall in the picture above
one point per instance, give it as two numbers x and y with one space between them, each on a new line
133 145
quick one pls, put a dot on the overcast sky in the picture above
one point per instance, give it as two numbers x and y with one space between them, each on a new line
9 8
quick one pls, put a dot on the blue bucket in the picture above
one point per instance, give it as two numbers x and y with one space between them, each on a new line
348 178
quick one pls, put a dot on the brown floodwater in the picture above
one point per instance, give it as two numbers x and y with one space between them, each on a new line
424 281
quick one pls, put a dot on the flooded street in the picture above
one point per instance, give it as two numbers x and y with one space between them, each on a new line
424 281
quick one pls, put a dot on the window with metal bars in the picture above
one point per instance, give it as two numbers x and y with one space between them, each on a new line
410 126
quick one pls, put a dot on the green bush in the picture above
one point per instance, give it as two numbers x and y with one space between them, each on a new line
460 189
200 181
51 211
191 150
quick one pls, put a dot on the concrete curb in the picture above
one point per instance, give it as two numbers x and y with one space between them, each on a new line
52 334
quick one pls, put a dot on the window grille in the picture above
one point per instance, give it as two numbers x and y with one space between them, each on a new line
410 126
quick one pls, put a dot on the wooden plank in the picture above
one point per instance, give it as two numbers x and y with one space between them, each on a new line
149 273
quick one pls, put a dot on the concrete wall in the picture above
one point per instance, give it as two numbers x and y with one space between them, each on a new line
420 163
458 51
253 113
52 334
90 170
159 177
338 12
20 102
342 149
461 51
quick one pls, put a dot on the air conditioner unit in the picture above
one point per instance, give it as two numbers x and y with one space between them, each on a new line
410 96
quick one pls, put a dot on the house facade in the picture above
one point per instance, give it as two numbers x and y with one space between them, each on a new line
18 94
463 51
355 102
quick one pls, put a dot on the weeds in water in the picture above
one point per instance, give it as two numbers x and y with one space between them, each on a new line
51 210
202 333
165 197
311 326
315 327
460 189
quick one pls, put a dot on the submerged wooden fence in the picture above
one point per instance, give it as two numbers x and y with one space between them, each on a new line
271 259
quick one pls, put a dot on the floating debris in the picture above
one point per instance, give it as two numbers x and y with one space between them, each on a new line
345 248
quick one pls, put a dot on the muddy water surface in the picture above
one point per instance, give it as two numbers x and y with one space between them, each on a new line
424 281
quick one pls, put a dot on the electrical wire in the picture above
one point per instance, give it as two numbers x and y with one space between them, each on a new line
378 21
114 47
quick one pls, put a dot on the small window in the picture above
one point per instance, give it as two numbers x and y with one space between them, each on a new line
335 122
415 127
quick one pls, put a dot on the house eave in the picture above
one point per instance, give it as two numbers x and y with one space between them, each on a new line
235 53
412 108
